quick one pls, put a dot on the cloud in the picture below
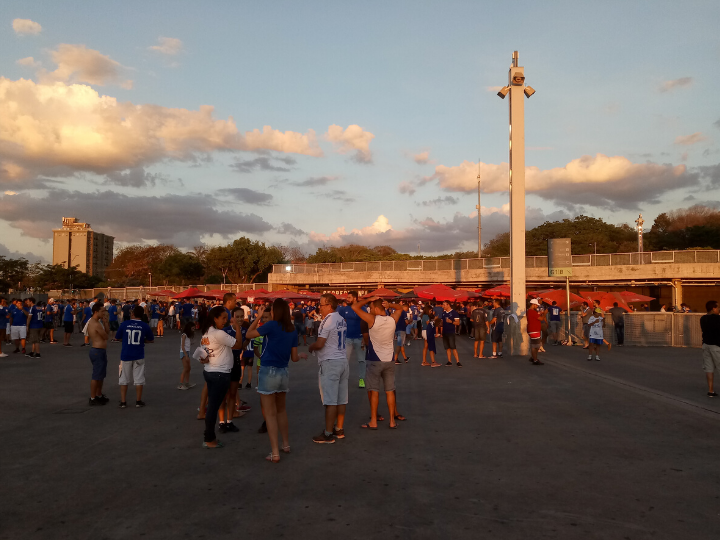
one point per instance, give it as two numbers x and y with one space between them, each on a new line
440 201
315 181
711 173
248 196
28 61
288 142
179 219
10 193
600 181
26 26
406 187
167 45
666 86
716 123
687 140
135 177
286 228
337 195
262 163
31 257
59 129
422 158
353 138
78 64
434 236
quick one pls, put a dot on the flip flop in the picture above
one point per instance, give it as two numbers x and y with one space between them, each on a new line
367 426
219 445
400 417
393 427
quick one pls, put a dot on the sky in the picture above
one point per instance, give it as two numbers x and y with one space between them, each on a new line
315 124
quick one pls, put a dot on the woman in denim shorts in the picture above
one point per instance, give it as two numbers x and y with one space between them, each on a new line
281 341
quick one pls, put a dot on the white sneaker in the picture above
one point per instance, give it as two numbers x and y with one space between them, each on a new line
3 355
597 358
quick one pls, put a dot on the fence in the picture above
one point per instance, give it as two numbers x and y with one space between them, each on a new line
143 292
646 329
605 259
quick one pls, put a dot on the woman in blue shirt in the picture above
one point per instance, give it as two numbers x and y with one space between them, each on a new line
280 345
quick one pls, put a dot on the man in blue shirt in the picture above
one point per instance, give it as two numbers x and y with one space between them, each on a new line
134 334
113 316
4 323
49 321
450 321
353 340
86 316
35 326
18 325
69 320
554 322
154 316
186 313
400 332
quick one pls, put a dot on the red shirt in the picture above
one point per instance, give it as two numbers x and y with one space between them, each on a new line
533 318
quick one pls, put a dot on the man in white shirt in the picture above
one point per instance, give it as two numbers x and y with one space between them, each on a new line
380 371
334 369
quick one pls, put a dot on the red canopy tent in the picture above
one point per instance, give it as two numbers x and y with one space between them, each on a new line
285 295
193 292
382 292
501 291
251 292
631 297
162 293
606 299
442 292
560 296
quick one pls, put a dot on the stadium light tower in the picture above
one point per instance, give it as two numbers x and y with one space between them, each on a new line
479 218
519 344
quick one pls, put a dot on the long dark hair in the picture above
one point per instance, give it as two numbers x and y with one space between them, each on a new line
189 329
209 319
281 314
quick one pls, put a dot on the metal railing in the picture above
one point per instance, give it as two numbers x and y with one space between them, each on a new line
646 329
123 293
494 263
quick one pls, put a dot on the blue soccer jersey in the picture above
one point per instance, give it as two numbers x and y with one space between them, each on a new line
133 334
36 317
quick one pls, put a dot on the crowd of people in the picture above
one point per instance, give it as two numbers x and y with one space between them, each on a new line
236 343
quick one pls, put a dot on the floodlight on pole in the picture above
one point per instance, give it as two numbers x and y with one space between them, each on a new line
518 91
478 207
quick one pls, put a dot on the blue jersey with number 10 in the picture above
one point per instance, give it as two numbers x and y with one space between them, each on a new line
133 334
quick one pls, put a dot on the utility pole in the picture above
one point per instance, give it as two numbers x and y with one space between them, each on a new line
479 219
519 343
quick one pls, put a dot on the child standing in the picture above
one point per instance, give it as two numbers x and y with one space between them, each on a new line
430 342
185 347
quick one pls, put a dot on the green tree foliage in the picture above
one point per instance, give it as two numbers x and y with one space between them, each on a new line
56 276
13 272
179 268
697 227
243 260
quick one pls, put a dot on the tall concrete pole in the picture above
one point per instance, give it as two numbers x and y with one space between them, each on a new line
479 219
516 83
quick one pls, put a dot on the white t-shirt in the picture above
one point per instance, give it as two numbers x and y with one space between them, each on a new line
246 311
382 334
334 329
218 345
596 326
188 343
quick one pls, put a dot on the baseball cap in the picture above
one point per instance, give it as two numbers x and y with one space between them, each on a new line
51 300
534 301
598 310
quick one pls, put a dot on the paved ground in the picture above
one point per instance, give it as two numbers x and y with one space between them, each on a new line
623 448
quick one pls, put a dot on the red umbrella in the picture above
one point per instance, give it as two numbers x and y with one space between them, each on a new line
442 292
607 299
560 296
382 292
193 292
501 291
251 292
285 295
162 293
631 297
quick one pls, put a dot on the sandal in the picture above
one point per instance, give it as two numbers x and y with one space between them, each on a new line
400 417
286 449
218 445
425 364
273 458
367 426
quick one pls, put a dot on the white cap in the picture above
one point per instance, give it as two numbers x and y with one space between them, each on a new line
51 300
534 301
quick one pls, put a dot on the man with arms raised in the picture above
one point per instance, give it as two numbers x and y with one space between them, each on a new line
380 367
334 368
98 331
450 320
353 343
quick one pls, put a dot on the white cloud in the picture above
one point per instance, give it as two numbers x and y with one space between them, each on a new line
603 181
353 138
10 193
59 129
422 158
406 187
28 61
687 140
26 26
78 64
167 45
381 225
666 86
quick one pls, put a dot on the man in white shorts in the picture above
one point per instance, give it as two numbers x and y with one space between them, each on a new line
334 369
133 334
18 325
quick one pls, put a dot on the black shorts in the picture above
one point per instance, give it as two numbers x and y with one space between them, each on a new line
236 371
497 334
449 341
69 325
480 332
48 325
248 360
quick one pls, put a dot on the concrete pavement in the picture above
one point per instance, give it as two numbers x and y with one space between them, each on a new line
622 448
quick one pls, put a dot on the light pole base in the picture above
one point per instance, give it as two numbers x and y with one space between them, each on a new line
518 341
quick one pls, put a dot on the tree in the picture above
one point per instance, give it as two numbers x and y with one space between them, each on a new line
133 263
180 267
13 272
292 254
243 260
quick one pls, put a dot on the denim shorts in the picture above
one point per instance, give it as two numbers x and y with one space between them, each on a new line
272 380
333 382
98 358
400 338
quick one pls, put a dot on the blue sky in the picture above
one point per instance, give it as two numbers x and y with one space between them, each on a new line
625 118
